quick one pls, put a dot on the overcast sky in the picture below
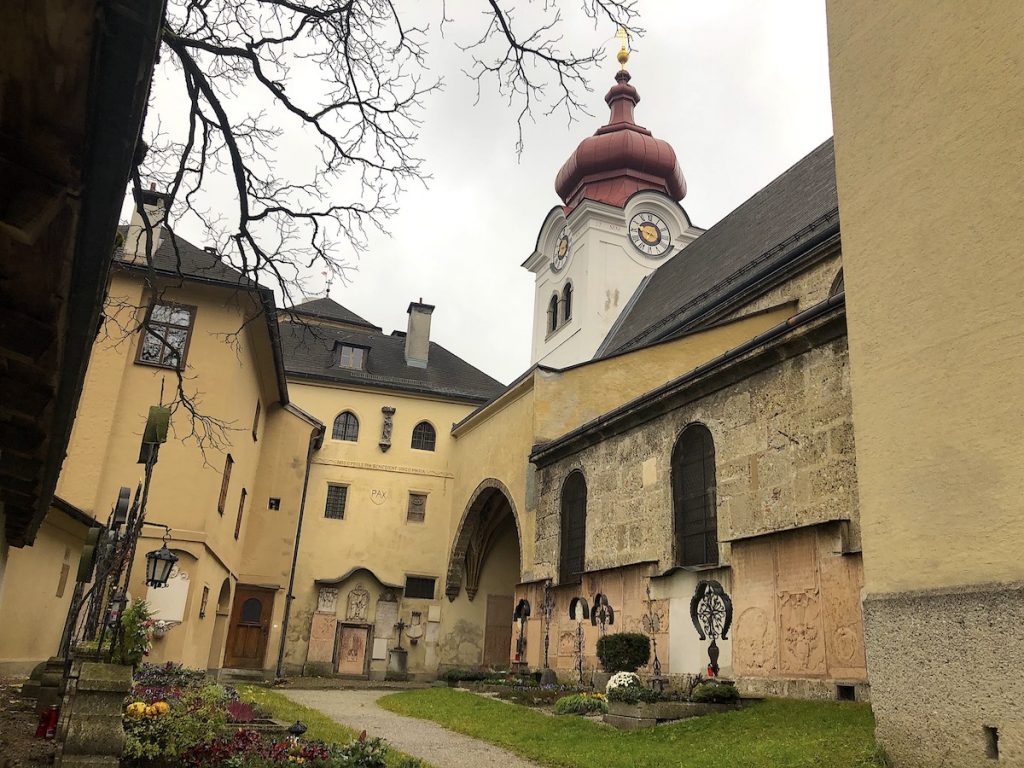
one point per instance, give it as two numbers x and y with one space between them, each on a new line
738 87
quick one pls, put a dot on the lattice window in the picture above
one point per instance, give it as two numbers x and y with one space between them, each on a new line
693 497
567 302
417 507
337 495
574 528
424 438
346 427
166 335
352 357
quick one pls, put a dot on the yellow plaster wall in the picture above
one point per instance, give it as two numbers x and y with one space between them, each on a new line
928 107
566 399
32 616
375 532
226 377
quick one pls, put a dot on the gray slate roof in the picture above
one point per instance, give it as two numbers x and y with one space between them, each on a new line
766 231
330 310
179 256
309 353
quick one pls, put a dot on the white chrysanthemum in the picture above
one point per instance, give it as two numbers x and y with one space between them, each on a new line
623 680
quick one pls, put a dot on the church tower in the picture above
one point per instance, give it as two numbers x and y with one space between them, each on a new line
619 220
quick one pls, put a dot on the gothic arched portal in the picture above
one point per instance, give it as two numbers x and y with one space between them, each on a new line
489 511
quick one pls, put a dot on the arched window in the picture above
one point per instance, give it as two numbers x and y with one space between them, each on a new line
424 438
693 497
574 528
553 314
346 427
567 302
837 284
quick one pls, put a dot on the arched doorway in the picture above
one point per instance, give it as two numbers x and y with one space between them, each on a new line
483 571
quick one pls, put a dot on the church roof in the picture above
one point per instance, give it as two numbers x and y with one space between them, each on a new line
793 213
178 256
329 309
309 352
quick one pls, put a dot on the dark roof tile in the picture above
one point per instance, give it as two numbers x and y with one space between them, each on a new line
309 352
760 235
329 309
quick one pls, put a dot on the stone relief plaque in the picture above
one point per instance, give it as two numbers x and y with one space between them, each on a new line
327 600
358 603
378 496
385 619
321 638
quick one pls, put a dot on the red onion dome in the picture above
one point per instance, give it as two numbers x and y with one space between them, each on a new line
621 158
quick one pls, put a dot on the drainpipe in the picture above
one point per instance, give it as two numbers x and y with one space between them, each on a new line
315 437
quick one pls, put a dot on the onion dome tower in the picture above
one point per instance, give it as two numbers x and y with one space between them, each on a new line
618 221
621 158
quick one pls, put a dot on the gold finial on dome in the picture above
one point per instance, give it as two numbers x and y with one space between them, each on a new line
623 54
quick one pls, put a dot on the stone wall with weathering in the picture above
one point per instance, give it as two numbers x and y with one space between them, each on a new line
787 516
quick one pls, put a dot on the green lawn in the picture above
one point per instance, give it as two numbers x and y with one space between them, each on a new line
321 727
779 733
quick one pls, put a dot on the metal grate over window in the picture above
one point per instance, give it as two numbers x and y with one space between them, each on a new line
337 495
424 438
346 427
693 497
574 528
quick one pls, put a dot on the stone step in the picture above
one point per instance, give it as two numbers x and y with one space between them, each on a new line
230 676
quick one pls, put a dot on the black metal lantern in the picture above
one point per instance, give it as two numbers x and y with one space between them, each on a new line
159 565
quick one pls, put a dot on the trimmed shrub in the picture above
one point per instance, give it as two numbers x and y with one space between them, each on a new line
580 704
634 694
711 692
624 651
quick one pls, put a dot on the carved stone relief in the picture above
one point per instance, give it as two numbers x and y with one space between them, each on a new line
358 603
327 600
321 638
754 641
385 432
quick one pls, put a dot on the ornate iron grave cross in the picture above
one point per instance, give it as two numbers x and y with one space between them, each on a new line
579 612
601 615
652 626
520 615
548 609
711 614
400 626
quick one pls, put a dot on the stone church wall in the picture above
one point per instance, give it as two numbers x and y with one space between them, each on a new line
787 520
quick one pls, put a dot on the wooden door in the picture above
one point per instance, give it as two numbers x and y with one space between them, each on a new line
352 650
249 628
498 631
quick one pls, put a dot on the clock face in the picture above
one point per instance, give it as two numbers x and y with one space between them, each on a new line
649 234
561 253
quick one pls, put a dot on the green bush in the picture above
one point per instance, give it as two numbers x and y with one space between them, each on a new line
132 644
580 704
634 695
712 691
624 651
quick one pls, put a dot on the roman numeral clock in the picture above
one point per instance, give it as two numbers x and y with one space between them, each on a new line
649 234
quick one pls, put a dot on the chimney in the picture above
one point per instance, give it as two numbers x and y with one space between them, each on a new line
417 337
155 205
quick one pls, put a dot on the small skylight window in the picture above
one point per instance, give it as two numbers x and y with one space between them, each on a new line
352 357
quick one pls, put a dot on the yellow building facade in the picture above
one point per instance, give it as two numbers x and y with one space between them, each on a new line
929 155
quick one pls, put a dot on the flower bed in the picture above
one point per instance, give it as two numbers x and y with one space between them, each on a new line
176 716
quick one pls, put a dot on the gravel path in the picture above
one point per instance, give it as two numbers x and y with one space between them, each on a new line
446 749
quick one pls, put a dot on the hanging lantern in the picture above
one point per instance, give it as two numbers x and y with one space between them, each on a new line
159 565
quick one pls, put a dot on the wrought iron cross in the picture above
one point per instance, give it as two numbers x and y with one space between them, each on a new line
548 609
711 614
652 626
400 626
